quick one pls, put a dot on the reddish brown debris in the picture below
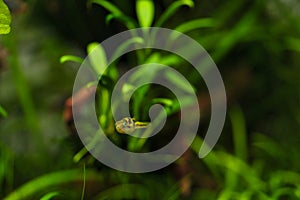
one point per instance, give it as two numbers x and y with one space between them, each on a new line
76 101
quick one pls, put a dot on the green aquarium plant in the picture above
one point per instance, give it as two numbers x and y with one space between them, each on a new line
145 12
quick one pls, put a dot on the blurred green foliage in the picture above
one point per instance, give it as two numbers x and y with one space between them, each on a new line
256 45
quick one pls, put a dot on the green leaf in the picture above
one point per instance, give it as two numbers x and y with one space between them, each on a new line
97 57
154 57
282 178
170 60
113 73
108 6
239 132
127 21
165 101
50 195
284 193
124 191
180 82
145 12
79 155
5 18
195 24
168 103
268 145
67 58
115 13
239 167
172 9
51 180
3 112
122 48
240 32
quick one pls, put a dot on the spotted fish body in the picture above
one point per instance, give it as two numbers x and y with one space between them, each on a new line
127 125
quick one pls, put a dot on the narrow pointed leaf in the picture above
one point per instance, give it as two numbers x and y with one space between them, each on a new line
127 21
126 44
97 57
50 196
172 9
108 6
145 12
51 180
67 58
195 24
